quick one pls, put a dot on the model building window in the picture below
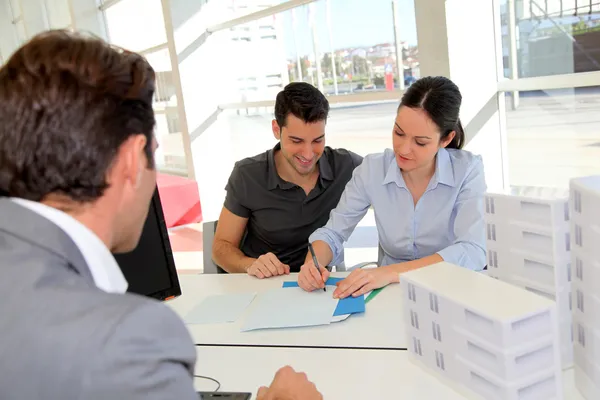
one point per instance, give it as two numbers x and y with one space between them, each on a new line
489 205
433 303
580 306
581 335
492 259
579 268
439 360
578 238
437 332
577 201
569 272
411 292
491 232
417 346
414 319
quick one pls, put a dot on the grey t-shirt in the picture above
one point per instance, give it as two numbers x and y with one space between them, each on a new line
280 215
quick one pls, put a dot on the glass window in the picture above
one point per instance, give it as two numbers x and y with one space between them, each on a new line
58 13
553 136
128 21
553 36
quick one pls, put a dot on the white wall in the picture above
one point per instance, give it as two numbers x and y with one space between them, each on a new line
457 40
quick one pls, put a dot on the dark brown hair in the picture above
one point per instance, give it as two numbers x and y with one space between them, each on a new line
67 103
302 100
441 99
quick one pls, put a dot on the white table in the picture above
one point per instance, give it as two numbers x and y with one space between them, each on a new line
338 373
381 326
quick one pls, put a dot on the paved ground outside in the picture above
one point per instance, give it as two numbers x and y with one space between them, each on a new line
550 138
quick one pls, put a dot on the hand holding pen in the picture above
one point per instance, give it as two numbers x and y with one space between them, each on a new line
313 276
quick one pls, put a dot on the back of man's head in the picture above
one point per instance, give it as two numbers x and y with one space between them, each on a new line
302 100
67 104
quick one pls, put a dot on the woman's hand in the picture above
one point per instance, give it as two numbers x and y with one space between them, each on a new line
310 278
361 281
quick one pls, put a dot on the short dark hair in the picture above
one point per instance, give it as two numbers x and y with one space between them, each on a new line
67 103
440 98
303 101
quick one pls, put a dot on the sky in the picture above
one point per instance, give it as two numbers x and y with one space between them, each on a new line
354 23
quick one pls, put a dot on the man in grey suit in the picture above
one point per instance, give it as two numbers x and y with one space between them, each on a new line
76 179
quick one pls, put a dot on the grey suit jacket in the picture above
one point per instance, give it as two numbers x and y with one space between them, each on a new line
63 338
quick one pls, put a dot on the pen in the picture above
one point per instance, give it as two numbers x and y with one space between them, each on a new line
314 257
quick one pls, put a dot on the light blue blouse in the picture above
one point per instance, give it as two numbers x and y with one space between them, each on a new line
447 220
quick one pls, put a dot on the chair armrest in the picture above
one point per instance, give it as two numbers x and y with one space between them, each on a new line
370 264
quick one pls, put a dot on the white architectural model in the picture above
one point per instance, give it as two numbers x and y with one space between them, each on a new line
486 338
528 245
585 235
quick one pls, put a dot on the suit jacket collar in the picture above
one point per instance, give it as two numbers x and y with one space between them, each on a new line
37 230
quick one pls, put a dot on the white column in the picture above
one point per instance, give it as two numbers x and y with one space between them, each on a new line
454 44
34 16
207 71
512 52
87 17
8 34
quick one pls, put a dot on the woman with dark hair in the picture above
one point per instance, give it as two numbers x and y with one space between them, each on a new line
427 195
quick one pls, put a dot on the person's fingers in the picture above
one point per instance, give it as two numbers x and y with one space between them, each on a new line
262 392
265 270
315 277
254 270
366 288
358 283
344 283
279 267
304 284
286 268
325 274
278 264
268 264
350 280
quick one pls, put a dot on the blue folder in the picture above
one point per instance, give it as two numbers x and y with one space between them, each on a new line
349 305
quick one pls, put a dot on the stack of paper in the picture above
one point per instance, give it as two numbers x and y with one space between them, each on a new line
347 306
290 307
220 309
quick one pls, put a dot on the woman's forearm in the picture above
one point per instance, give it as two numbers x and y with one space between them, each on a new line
396 269
323 253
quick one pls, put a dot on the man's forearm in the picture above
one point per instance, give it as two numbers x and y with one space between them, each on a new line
230 257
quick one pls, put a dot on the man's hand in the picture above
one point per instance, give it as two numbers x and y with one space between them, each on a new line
266 266
310 278
289 385
361 281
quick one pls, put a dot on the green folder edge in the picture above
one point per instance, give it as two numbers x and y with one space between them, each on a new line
374 293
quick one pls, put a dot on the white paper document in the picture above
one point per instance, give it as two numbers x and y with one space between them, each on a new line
220 309
290 307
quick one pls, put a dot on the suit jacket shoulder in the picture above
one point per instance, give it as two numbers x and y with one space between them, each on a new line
63 338
148 348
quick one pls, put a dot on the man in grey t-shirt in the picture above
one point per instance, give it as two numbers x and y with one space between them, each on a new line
276 199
